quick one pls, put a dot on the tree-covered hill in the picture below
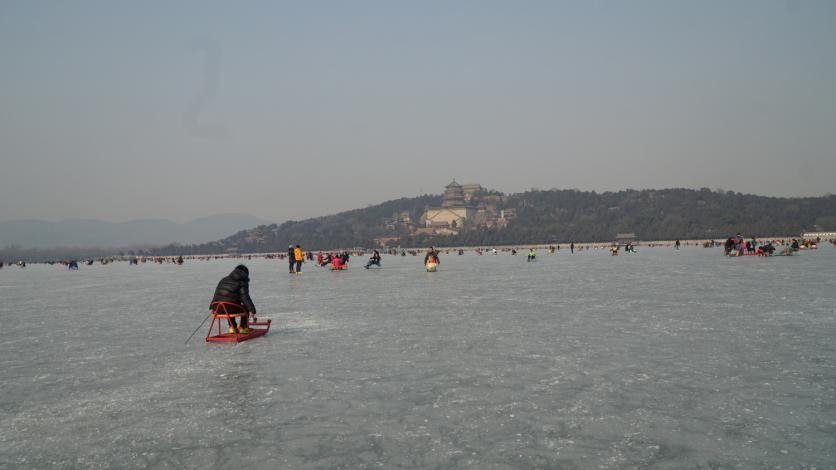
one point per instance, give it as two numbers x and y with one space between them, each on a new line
549 217
565 215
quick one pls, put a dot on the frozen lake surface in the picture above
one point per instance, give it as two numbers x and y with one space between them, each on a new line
662 359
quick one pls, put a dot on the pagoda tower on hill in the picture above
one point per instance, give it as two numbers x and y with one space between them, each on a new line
453 195
454 210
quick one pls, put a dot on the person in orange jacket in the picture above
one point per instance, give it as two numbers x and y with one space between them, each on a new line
298 257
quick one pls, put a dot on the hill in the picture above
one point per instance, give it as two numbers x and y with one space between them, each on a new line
551 216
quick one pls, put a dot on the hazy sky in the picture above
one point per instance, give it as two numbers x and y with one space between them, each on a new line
158 109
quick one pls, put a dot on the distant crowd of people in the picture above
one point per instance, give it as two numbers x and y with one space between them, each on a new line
734 246
739 246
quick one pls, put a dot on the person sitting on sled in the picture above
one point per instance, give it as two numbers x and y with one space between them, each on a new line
374 260
234 290
432 256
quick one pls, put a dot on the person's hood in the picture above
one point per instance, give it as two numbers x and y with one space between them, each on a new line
240 273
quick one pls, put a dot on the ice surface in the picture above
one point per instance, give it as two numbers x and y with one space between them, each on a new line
665 359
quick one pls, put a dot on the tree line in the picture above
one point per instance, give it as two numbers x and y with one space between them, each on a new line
551 216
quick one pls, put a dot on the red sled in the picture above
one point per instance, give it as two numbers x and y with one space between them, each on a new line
220 312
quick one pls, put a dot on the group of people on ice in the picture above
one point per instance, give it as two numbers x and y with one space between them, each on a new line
19 264
738 246
628 248
338 261
232 295
333 261
295 258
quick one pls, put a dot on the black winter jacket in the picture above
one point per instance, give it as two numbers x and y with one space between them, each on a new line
235 288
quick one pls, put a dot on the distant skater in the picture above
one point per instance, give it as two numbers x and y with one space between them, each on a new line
532 255
234 291
374 260
572 248
676 244
291 259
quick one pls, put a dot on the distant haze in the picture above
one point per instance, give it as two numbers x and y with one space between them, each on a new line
169 110
99 233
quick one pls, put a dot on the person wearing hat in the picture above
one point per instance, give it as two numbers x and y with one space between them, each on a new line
234 291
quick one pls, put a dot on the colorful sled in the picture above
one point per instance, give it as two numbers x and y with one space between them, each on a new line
431 267
220 312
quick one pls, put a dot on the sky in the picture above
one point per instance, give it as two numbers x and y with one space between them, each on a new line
178 110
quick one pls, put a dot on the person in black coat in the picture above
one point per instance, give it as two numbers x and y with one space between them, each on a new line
374 260
235 289
291 259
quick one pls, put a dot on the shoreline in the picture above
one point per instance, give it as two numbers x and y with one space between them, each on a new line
519 246
357 251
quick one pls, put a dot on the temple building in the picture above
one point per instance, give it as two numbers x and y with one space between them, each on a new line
471 190
454 210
